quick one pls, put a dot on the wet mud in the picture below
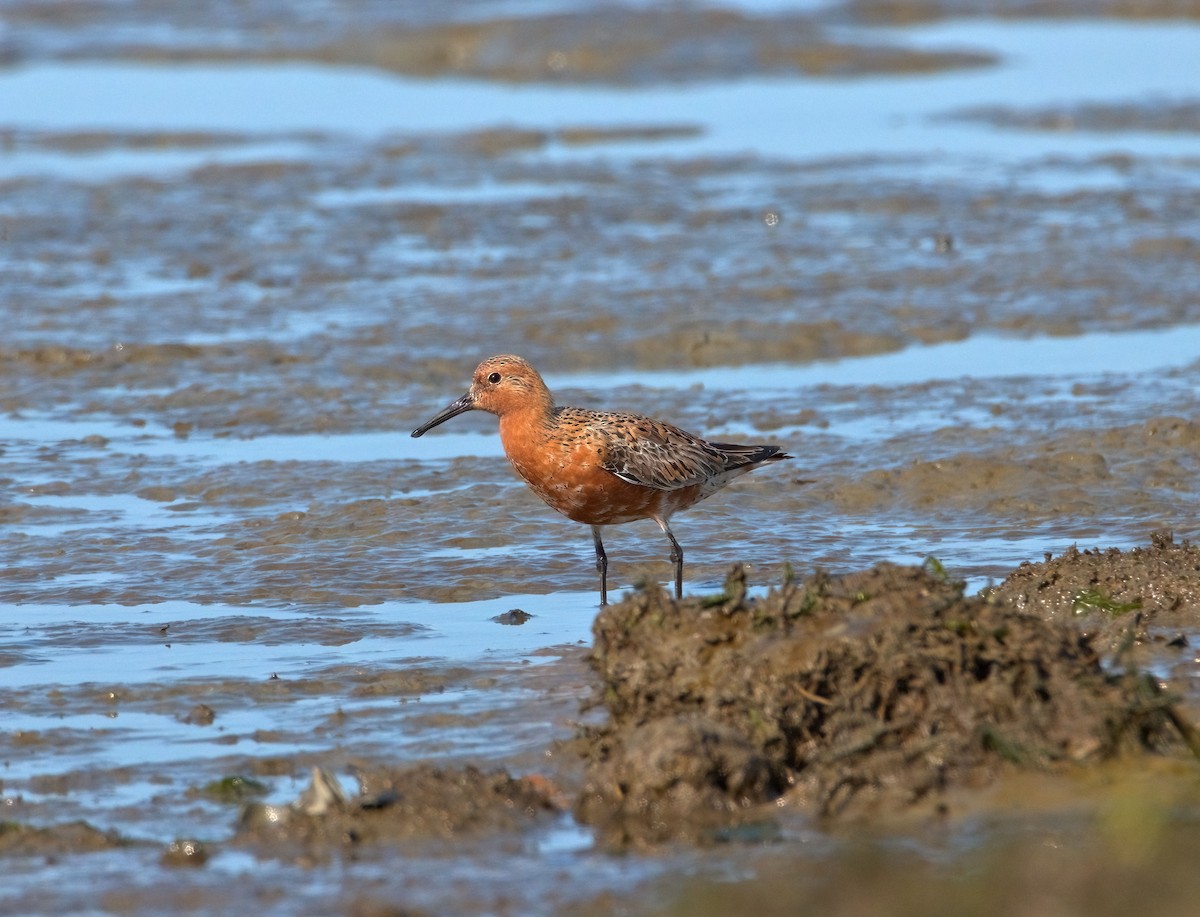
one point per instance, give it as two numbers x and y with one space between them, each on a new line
886 698
604 44
394 806
635 46
865 695
1109 866
287 803
577 43
909 11
1158 116
18 840
1146 593
259 646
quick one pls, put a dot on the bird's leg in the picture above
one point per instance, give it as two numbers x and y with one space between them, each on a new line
601 564
676 557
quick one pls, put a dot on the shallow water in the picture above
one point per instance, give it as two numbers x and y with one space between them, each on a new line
975 339
789 118
1082 357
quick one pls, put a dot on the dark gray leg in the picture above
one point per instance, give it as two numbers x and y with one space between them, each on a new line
601 564
676 558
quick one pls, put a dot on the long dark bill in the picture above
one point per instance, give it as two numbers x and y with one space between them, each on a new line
461 406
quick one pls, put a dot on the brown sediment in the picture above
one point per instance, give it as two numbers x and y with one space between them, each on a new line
1112 593
395 805
859 696
634 46
907 12
613 45
1159 116
56 840
1135 856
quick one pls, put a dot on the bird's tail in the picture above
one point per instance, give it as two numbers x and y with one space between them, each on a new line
738 456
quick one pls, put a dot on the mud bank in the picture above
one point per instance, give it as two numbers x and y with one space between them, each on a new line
17 840
394 806
543 42
608 44
909 11
634 46
1116 595
854 697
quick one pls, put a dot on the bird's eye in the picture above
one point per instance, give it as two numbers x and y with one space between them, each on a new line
494 378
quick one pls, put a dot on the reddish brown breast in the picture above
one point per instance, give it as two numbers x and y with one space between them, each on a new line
562 465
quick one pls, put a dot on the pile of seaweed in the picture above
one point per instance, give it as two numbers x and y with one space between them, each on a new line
855 696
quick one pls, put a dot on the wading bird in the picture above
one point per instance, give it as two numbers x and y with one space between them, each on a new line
600 467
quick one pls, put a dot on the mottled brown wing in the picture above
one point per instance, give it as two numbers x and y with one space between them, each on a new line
658 455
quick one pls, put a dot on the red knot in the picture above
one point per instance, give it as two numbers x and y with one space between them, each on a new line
601 467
